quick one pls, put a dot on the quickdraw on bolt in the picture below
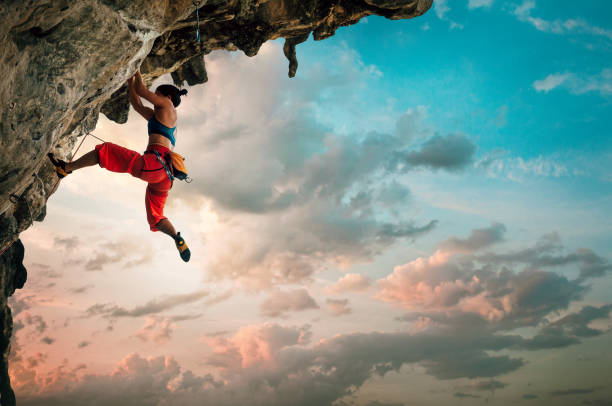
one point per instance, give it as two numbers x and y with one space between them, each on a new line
197 9
13 198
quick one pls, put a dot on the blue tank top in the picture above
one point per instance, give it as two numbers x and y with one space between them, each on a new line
155 127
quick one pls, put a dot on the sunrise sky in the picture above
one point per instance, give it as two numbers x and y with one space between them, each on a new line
422 216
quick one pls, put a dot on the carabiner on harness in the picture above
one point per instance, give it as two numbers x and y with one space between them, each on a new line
165 165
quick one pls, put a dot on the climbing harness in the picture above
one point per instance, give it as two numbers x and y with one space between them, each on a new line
162 162
197 8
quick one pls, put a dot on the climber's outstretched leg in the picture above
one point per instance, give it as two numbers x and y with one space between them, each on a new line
63 168
89 159
155 200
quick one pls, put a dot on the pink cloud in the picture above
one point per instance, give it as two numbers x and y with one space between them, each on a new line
280 302
509 288
351 282
438 283
338 307
158 329
255 344
427 284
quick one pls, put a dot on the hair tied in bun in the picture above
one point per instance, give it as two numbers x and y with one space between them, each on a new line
174 92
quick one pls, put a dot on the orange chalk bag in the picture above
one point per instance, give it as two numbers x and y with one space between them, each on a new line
177 167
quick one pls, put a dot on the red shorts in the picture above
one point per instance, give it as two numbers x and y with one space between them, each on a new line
146 167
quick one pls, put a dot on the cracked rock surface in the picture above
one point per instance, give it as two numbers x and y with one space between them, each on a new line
65 61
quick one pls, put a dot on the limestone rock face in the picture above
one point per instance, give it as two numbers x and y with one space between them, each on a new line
65 61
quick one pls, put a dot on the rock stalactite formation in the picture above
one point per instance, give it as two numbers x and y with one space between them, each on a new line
65 61
13 276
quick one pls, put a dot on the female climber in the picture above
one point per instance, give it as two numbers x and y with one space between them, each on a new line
148 167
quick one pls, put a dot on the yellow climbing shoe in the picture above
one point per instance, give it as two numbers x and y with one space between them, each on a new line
182 248
60 166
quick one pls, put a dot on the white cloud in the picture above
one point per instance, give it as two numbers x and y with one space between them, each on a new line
479 3
524 9
550 82
292 193
575 25
601 83
441 8
541 167
498 163
577 83
456 26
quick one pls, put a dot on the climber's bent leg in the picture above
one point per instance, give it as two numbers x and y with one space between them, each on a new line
155 200
166 227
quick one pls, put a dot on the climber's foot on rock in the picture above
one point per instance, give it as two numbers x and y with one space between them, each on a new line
60 166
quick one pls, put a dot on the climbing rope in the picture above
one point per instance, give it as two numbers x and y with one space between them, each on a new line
197 9
6 248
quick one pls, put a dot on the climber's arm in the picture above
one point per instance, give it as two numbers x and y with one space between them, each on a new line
142 91
135 101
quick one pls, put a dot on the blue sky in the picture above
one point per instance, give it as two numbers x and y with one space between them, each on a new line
467 74
442 180
471 75
475 69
